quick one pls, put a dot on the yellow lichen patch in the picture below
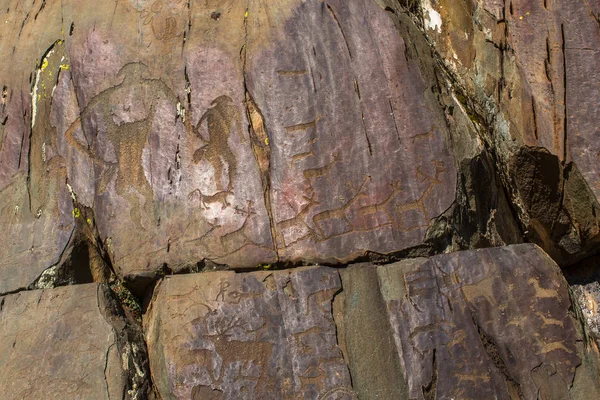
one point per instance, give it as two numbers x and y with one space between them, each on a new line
44 64
76 212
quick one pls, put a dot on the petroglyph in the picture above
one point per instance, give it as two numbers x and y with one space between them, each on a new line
165 19
263 340
445 304
391 211
221 119
127 132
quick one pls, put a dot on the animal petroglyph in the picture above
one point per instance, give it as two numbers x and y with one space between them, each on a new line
128 139
160 16
221 119
321 225
250 347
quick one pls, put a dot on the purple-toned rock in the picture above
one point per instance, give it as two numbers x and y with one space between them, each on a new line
240 133
359 159
69 343
262 335
494 323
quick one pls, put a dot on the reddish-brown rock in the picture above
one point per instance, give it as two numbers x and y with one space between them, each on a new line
232 132
359 158
527 73
261 335
493 323
69 343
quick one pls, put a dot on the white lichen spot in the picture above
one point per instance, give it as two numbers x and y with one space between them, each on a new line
38 213
180 111
130 357
34 97
16 209
71 192
488 33
44 152
34 94
432 18
48 278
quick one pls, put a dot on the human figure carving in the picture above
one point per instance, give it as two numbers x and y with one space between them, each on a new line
128 138
221 119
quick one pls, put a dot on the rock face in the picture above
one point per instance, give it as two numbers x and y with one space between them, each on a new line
69 342
246 147
214 181
264 335
527 75
492 323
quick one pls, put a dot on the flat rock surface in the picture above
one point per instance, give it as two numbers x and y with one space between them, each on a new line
242 133
262 335
359 159
494 323
58 344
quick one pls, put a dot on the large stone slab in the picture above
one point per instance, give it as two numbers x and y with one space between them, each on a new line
69 343
358 154
261 335
494 323
241 133
528 75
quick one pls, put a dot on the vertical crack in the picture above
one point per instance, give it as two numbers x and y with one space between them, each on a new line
25 127
494 354
259 141
23 25
395 122
429 391
341 30
535 127
188 27
564 54
106 358
40 10
259 138
362 117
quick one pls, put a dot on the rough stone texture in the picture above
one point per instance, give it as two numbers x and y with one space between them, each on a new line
584 279
491 323
262 335
364 335
528 75
69 343
238 132
141 138
359 160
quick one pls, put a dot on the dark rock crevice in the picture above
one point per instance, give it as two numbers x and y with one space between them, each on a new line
129 344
